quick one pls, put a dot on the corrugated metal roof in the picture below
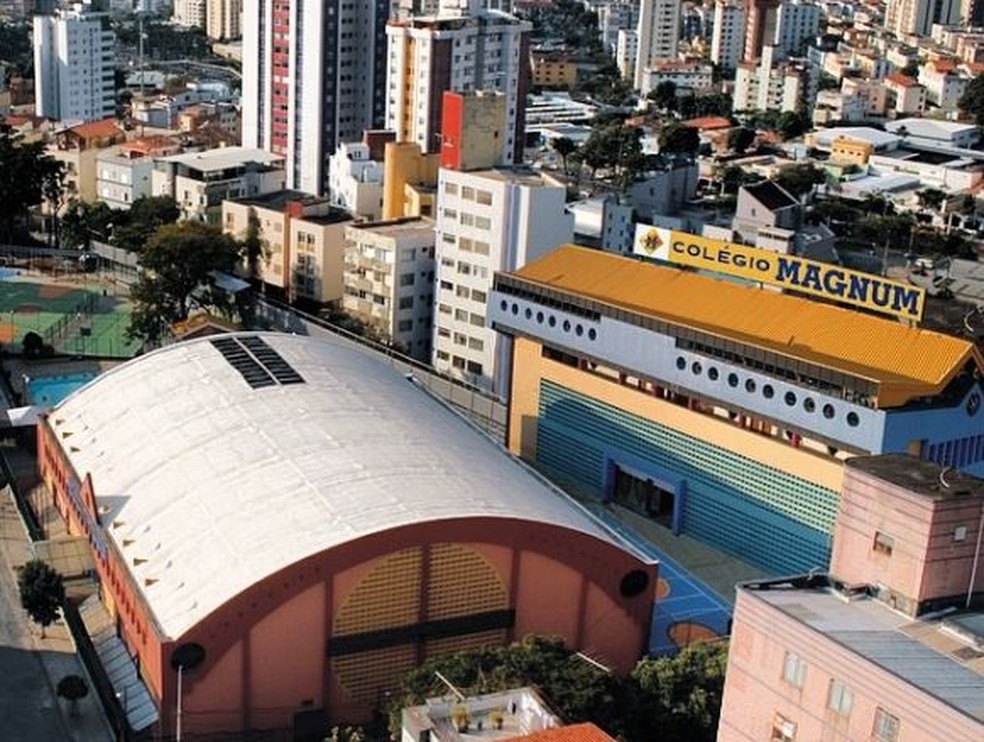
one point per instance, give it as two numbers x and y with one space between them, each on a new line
885 638
906 361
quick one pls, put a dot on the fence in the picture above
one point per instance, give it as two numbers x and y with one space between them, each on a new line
71 320
484 410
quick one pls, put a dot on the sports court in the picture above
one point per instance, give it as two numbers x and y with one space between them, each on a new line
72 314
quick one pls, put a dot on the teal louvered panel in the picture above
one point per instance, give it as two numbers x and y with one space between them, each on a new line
766 516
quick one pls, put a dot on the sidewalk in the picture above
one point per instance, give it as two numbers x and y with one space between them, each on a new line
54 653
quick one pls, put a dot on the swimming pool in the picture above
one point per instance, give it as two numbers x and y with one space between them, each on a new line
50 390
6 273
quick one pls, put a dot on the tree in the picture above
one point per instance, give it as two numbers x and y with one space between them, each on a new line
23 169
972 100
664 96
32 344
732 177
132 229
931 198
791 124
254 246
176 263
563 146
53 175
740 139
679 139
72 688
42 592
680 696
801 179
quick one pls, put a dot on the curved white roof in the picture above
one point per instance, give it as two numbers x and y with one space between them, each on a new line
218 485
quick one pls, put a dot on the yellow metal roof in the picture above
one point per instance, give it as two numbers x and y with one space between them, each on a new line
905 361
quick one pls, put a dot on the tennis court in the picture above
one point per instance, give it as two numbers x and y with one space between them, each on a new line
72 319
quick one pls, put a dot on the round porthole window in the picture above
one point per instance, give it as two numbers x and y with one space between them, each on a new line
503 305
633 583
681 362
732 380
852 419
528 313
768 392
567 325
828 411
696 368
552 321
539 317
790 399
515 308
592 334
579 330
712 373
749 385
809 405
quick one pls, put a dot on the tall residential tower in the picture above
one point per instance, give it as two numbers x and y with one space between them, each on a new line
313 76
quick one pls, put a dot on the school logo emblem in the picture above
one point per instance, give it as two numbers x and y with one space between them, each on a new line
651 242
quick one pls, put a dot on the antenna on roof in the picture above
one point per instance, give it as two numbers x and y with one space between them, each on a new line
943 483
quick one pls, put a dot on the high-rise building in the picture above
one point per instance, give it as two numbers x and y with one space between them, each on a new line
459 49
796 23
762 17
313 76
728 39
904 17
189 13
73 66
223 19
658 34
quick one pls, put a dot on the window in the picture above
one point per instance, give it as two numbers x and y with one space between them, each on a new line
451 189
476 344
783 730
460 338
444 309
461 315
481 296
840 697
405 325
462 291
886 726
481 248
884 544
793 670
406 279
406 302
484 197
483 222
458 362
443 332
474 368
477 320
468 193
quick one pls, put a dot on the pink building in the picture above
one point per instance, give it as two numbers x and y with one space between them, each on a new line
844 658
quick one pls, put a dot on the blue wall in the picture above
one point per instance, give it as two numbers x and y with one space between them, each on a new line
764 516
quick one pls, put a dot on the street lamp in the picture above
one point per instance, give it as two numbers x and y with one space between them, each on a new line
186 657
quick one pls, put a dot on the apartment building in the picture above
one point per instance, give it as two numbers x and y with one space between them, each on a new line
303 240
728 36
79 147
389 281
201 181
464 49
945 83
223 19
356 180
124 172
885 647
409 180
487 221
916 17
772 85
658 35
313 76
904 96
73 66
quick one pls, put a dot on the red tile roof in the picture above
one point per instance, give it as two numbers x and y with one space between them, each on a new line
902 80
708 122
96 129
574 733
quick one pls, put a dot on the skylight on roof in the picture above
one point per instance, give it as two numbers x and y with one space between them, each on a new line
258 363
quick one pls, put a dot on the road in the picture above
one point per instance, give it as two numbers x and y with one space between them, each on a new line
28 705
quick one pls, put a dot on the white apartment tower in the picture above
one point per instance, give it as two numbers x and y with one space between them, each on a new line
796 23
460 49
189 13
658 34
487 221
223 19
313 76
728 39
905 17
73 66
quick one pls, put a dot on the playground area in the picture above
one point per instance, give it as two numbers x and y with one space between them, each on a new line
76 314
